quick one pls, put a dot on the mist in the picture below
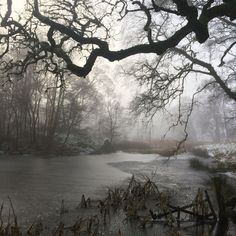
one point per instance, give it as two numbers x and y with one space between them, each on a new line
117 117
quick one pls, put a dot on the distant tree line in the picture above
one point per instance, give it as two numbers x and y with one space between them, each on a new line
44 113
181 39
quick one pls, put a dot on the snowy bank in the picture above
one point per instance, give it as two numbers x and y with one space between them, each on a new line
223 152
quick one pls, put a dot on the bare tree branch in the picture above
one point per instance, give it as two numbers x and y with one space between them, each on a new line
100 48
211 70
225 53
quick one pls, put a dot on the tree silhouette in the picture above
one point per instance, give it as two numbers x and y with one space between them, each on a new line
61 31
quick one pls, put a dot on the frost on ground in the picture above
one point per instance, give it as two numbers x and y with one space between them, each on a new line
223 152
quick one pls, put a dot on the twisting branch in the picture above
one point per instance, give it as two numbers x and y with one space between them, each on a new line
225 53
8 13
159 8
211 70
67 31
208 4
149 20
79 34
186 121
228 22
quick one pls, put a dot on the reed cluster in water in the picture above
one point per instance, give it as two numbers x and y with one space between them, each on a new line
140 203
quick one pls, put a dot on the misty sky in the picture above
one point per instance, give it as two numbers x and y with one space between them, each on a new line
126 87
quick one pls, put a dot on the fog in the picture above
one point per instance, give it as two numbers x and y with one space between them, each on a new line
120 96
127 106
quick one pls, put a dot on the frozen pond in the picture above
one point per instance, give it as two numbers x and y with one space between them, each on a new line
37 185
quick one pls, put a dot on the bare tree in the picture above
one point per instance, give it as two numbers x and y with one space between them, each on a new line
81 102
69 36
113 119
163 78
40 112
56 32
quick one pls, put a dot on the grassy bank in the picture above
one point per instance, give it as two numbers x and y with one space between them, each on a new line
162 147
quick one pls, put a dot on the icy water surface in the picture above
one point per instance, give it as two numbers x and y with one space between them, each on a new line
37 185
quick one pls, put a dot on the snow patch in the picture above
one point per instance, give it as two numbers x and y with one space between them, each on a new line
221 151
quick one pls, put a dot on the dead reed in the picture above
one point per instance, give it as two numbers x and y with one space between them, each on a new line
141 203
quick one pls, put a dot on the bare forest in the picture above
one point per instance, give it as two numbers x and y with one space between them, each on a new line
132 82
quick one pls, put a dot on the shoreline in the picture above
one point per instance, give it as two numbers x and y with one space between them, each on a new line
178 187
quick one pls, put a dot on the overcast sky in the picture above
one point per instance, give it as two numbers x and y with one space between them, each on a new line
124 86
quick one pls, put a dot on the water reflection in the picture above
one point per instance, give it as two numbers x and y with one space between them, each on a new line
37 185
